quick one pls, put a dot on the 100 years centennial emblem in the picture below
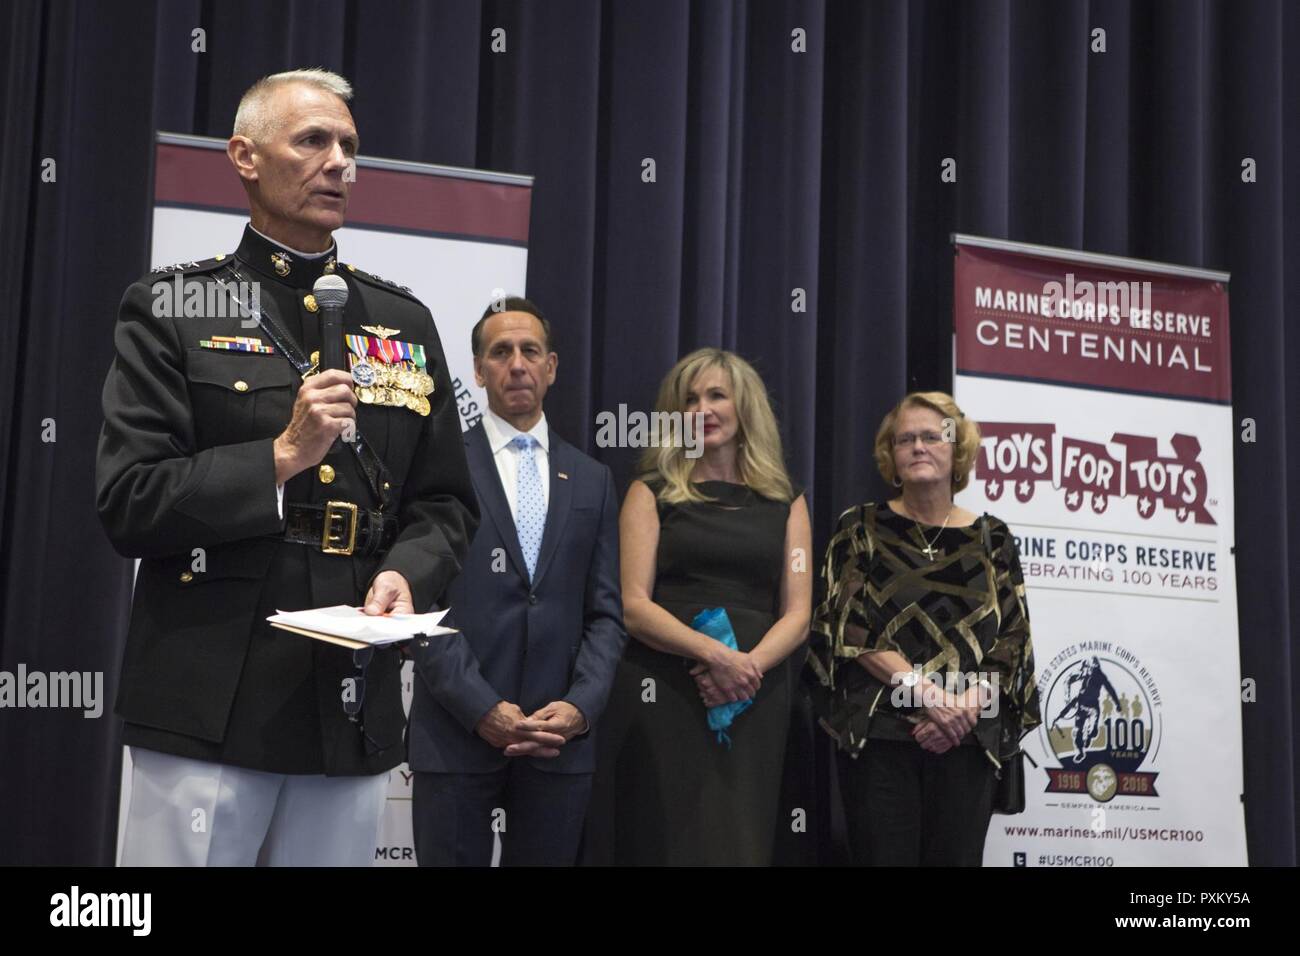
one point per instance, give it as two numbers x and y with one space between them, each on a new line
1101 720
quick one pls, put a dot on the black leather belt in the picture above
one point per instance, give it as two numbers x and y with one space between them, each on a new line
340 527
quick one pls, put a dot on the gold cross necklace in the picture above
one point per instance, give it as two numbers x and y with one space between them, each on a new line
929 545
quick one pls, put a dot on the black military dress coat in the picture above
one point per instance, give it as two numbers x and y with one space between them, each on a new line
185 479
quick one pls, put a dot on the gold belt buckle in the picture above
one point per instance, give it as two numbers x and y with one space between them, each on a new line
330 542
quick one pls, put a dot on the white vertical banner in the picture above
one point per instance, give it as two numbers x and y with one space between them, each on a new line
1103 391
458 238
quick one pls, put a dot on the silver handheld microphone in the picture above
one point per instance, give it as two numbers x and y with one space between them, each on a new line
331 294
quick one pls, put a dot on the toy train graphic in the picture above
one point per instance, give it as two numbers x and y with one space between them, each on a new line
1018 456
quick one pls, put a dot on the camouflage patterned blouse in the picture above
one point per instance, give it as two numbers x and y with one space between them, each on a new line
960 612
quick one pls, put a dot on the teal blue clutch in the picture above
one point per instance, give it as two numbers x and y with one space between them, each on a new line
714 622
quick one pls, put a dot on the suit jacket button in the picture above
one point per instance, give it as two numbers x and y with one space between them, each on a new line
186 577
532 599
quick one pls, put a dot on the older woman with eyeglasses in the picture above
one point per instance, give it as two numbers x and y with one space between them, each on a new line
925 663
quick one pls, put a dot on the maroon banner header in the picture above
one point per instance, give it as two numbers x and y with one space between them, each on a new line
388 198
1028 317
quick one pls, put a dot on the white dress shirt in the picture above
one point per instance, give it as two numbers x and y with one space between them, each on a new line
297 252
499 434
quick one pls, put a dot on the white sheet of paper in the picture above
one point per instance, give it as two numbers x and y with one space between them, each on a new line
352 623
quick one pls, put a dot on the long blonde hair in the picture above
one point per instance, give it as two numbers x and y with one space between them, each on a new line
759 459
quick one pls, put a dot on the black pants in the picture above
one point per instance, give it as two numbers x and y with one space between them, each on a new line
538 815
907 807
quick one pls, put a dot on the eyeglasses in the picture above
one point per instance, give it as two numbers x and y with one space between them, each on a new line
352 703
907 439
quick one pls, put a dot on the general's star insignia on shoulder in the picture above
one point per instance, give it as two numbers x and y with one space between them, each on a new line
187 266
378 278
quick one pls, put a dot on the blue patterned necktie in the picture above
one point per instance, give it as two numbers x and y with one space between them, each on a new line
530 505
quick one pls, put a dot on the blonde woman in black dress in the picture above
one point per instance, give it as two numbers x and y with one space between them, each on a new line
724 529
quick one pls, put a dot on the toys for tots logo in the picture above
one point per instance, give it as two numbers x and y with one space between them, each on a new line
1020 455
1101 721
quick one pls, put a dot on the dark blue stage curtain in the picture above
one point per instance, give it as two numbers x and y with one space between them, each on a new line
775 171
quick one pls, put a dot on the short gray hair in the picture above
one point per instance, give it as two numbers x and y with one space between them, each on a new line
251 118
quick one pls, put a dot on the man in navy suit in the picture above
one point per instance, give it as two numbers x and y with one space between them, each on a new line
503 717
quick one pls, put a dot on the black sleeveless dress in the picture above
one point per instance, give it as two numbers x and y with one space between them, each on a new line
679 795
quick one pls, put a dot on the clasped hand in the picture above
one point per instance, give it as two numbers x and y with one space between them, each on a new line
944 725
539 734
728 677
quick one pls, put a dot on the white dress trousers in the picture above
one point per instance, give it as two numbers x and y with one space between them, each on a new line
185 812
